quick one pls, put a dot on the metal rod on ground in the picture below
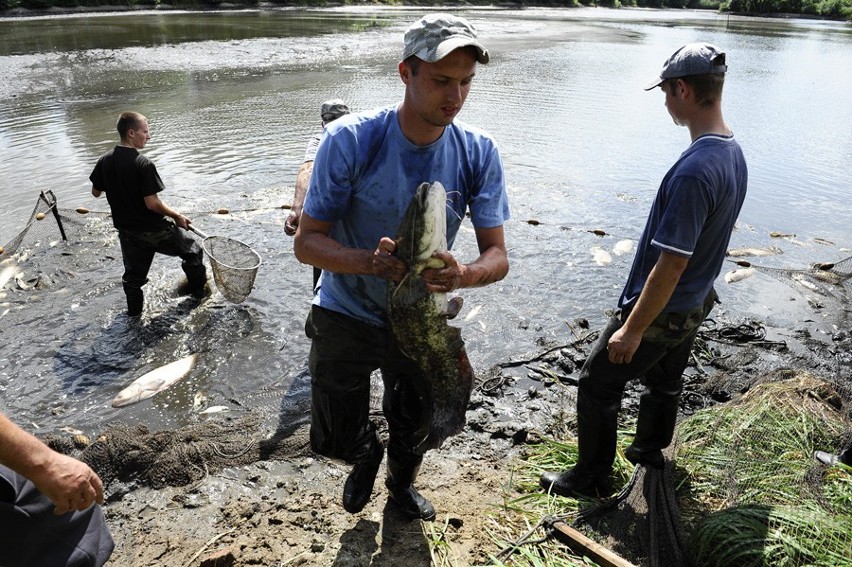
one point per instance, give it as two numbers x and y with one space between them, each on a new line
582 545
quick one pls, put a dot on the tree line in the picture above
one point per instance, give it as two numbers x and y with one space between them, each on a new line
832 9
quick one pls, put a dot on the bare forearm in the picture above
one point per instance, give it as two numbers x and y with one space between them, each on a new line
303 178
491 266
326 253
21 451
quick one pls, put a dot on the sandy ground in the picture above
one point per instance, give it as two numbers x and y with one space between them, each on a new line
288 512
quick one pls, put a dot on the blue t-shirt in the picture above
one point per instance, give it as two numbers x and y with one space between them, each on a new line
693 215
366 173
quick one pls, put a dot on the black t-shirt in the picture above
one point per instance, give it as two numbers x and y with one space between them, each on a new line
127 177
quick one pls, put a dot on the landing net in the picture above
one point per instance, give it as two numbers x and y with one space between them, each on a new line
234 265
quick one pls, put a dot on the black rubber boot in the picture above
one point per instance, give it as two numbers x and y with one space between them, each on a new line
359 484
654 429
577 481
401 490
846 457
135 301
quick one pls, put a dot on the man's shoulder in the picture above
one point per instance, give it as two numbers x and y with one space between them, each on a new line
473 133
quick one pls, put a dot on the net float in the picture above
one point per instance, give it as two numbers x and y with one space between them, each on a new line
82 210
40 216
223 211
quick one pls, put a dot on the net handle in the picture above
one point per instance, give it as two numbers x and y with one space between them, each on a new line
197 231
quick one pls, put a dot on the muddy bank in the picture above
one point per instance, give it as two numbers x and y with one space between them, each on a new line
229 491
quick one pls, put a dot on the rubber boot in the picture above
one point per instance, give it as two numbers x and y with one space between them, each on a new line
596 440
846 457
359 484
400 482
654 429
135 301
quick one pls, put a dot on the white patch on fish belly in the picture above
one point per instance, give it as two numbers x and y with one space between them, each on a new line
623 247
154 382
739 274
741 252
601 256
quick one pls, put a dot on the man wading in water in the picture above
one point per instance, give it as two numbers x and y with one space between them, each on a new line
670 288
131 183
367 168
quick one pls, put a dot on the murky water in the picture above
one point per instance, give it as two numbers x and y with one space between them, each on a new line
234 97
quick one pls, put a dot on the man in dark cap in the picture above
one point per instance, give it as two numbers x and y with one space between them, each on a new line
330 111
366 172
669 291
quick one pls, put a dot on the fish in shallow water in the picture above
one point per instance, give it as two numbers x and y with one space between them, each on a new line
418 319
740 252
739 274
154 382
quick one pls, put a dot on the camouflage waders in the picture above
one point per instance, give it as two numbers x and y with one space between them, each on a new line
660 360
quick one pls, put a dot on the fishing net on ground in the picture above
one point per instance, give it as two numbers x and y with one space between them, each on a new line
178 457
741 486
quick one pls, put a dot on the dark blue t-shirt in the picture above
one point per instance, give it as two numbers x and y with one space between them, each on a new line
693 215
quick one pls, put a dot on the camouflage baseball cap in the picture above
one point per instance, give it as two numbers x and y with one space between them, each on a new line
332 110
691 59
435 36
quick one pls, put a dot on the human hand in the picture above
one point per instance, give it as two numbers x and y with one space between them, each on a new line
70 484
384 264
443 273
622 346
182 222
292 222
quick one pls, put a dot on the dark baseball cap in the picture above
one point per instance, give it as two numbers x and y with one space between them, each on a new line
333 109
691 59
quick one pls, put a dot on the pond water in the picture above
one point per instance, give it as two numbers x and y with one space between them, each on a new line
233 97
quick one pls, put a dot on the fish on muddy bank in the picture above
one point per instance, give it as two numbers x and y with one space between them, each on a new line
154 381
419 318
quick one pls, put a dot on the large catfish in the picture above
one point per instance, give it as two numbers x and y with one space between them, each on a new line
419 318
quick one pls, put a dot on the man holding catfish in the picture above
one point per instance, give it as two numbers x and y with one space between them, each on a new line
367 170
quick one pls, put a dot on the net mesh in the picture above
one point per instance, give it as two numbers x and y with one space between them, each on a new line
234 265
830 279
741 486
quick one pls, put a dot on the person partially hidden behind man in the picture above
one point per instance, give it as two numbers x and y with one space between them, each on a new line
131 183
330 111
670 291
366 172
49 506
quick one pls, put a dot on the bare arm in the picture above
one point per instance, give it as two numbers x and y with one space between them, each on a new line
69 483
314 246
655 295
154 203
303 178
492 264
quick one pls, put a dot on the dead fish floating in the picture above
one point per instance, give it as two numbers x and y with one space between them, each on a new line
154 381
748 251
601 256
739 274
418 319
623 247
